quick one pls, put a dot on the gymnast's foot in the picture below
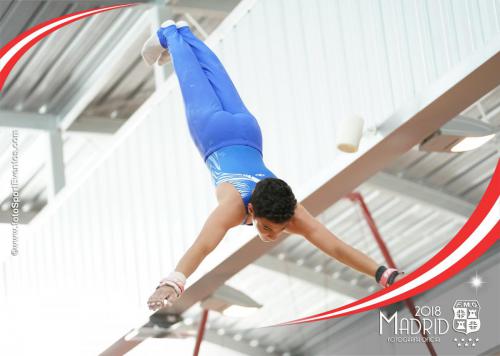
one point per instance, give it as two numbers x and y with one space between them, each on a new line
155 48
165 56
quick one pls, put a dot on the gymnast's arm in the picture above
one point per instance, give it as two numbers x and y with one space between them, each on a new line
315 232
222 218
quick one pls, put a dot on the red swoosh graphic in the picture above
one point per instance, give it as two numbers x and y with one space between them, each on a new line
484 207
46 28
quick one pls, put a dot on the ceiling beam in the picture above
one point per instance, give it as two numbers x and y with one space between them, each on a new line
306 274
27 120
48 122
426 195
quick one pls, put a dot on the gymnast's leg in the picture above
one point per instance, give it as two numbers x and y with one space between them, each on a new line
214 70
200 99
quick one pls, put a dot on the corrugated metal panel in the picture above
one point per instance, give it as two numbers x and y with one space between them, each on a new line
300 66
57 57
48 77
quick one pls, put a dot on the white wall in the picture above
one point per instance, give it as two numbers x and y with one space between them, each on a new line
300 66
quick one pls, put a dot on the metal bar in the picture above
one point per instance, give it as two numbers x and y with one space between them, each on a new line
201 331
120 347
358 198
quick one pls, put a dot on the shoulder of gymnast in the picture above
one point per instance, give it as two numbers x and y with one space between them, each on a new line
302 222
230 205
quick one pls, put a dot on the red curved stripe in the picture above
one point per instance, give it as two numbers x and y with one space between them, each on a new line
482 247
26 33
485 205
10 64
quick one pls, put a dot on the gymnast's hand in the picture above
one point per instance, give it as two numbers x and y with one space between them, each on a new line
386 277
401 275
163 296
168 291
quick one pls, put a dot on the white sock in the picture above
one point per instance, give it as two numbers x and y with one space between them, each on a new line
167 23
180 24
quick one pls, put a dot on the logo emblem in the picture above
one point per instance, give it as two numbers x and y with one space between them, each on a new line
466 316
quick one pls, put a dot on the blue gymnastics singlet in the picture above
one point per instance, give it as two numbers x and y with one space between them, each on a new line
240 165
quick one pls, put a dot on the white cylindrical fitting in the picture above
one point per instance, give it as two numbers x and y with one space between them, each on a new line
349 133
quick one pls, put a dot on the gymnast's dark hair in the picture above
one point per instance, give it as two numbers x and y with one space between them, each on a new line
273 199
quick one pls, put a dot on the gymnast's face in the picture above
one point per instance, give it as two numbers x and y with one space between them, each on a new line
268 230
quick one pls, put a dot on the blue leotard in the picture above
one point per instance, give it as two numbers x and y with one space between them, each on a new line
226 134
240 165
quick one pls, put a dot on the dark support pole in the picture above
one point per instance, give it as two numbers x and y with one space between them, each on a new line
358 198
201 331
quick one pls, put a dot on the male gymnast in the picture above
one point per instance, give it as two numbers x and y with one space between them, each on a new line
229 140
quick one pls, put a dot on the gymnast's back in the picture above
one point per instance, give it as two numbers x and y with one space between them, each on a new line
240 165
